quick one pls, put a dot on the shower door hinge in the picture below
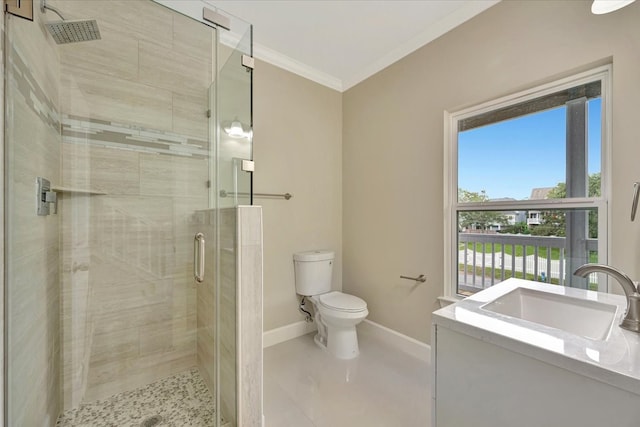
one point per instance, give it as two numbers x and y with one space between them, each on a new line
216 18
208 114
248 165
248 62
21 8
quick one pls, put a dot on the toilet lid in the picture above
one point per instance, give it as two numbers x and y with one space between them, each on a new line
342 302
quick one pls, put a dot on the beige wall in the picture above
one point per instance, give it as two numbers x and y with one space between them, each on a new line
297 149
393 180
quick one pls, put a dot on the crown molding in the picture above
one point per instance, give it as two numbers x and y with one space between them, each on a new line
279 60
459 16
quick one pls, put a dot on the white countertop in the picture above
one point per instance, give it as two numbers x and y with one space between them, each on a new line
615 361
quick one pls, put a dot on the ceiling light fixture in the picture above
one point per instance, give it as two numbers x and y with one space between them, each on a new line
236 130
600 7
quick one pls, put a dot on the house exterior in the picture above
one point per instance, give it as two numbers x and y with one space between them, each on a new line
512 217
534 217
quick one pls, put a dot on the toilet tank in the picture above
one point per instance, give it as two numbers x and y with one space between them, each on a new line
313 270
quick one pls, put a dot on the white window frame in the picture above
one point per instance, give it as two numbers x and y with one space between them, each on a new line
452 206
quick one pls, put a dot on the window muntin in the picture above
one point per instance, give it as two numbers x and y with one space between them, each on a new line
488 176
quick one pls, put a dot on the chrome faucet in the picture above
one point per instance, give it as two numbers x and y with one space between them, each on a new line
631 320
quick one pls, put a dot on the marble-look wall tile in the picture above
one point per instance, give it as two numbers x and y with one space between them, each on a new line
33 151
249 231
33 295
136 19
2 217
114 99
39 51
163 54
141 295
115 54
134 126
206 311
137 321
190 115
173 70
34 345
173 176
186 224
77 319
107 379
193 40
101 169
227 343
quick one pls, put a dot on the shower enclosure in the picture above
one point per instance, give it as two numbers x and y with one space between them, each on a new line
126 277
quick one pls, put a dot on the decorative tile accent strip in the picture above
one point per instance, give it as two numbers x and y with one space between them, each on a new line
83 130
180 400
102 133
23 84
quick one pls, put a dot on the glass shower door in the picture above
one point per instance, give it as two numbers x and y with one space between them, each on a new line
233 134
102 304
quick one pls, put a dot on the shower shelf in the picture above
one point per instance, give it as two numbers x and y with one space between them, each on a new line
70 190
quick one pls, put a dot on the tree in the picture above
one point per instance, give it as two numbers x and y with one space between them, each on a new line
517 228
478 220
553 222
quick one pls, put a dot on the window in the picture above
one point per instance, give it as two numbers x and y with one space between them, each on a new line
526 186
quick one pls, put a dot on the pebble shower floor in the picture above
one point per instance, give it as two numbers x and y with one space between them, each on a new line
180 400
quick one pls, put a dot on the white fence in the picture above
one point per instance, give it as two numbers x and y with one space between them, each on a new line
496 260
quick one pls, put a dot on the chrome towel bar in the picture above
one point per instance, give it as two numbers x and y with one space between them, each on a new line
421 278
285 196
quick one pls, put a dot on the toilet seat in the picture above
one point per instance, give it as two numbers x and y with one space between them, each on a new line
342 302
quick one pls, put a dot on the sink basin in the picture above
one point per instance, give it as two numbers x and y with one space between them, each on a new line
589 319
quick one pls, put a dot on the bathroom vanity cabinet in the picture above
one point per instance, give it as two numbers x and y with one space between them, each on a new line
497 370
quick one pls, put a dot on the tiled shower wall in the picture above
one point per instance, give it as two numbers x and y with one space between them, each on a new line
134 128
33 149
206 303
2 215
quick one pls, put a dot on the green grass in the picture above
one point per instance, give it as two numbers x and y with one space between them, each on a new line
543 252
488 273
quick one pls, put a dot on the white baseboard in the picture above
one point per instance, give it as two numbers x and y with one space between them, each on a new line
286 333
395 339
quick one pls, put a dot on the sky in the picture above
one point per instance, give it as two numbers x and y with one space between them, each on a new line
508 159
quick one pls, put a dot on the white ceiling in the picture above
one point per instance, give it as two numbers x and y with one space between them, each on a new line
340 43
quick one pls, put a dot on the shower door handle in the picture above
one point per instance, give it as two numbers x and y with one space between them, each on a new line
198 257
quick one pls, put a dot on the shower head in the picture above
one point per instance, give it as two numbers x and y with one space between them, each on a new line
70 31
74 31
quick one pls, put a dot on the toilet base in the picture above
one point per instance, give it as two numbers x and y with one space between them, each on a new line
343 342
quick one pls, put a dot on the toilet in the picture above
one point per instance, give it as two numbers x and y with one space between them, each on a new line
336 313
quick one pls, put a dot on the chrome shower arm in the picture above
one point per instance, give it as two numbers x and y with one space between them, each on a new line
44 7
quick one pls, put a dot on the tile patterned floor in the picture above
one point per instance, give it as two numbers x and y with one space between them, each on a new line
306 387
181 400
